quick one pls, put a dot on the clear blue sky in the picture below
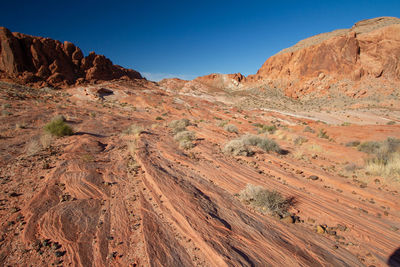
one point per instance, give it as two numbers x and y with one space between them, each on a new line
187 38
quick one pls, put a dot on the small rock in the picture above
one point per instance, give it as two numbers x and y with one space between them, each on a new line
320 229
313 177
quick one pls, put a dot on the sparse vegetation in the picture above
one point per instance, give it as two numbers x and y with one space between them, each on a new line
385 160
134 129
322 134
58 127
308 129
351 167
222 123
370 147
241 146
237 148
352 143
391 123
299 140
262 128
158 118
231 128
266 201
185 139
178 125
261 142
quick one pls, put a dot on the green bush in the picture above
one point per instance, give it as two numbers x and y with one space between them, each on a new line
266 201
58 127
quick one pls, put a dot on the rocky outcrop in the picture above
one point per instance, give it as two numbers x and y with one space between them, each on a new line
368 54
357 62
39 62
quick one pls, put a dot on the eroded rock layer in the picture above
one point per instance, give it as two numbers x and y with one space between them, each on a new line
41 62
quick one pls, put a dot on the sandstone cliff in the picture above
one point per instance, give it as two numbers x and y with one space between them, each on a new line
356 62
39 62
368 54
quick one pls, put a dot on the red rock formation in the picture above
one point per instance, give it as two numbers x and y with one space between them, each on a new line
367 54
357 62
41 61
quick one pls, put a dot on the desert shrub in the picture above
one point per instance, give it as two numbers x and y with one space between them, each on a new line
387 167
351 167
370 147
352 143
231 128
308 129
322 134
222 123
134 129
266 201
179 125
262 128
391 123
237 148
58 127
299 140
241 146
346 123
158 118
185 139
385 157
261 142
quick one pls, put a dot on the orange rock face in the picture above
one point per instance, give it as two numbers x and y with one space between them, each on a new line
368 53
356 62
41 62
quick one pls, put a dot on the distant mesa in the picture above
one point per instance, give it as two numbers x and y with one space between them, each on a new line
39 62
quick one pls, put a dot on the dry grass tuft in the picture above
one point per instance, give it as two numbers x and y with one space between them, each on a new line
241 146
271 202
134 130
185 139
178 125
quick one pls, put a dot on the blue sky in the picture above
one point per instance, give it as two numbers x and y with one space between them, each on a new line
187 39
